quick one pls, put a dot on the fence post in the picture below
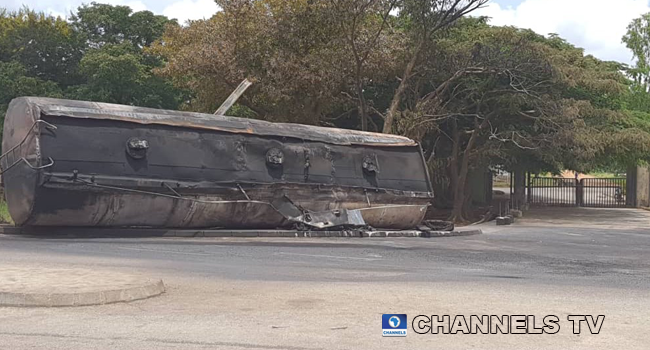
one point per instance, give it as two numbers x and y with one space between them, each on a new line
630 187
580 185
528 187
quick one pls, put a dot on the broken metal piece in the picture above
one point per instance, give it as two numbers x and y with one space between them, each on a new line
317 220
243 192
504 221
137 147
169 188
370 164
333 218
234 96
307 165
438 225
274 157
367 198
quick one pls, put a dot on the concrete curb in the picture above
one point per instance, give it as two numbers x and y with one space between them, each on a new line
94 232
81 299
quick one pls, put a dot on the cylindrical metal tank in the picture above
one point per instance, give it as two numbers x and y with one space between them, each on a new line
73 163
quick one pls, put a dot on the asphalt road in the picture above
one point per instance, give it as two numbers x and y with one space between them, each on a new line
330 293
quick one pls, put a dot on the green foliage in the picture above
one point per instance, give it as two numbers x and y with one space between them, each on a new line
102 24
637 39
96 56
117 73
290 49
5 217
46 46
15 81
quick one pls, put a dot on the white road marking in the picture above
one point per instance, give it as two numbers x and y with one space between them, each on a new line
328 256
569 234
164 251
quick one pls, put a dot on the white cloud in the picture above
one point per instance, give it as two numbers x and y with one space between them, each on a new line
595 25
136 6
191 10
64 8
182 10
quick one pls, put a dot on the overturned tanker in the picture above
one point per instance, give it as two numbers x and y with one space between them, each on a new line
73 163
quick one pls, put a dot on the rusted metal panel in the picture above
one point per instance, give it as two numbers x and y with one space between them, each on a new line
141 115
117 166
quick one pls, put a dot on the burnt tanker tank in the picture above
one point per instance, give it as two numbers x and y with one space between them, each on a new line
73 163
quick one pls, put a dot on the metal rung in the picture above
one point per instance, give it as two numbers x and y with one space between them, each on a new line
12 157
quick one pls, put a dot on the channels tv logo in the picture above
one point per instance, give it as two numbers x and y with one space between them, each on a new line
393 325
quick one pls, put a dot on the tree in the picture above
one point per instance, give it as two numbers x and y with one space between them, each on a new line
46 46
117 73
362 24
424 19
637 39
503 97
15 82
116 67
288 48
97 56
38 56
494 94
102 24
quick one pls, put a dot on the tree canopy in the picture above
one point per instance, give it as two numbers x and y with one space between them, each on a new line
98 54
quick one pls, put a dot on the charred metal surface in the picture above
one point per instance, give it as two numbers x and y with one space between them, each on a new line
112 165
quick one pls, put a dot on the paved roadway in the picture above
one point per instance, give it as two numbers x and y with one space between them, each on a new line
330 293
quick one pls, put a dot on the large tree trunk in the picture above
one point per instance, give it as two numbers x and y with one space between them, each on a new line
457 214
403 84
363 109
453 161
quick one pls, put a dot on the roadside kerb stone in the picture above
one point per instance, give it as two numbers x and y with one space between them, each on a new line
37 286
75 232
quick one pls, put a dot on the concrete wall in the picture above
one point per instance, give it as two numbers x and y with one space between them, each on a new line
643 187
519 182
480 183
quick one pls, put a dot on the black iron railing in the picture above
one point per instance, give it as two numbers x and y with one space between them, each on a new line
594 192
552 191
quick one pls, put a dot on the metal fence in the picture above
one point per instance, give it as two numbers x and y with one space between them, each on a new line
604 193
595 192
551 191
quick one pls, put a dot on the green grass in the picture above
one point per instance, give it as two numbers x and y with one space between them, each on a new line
5 218
501 184
596 174
604 175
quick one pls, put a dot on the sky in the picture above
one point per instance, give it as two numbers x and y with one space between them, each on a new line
179 9
595 25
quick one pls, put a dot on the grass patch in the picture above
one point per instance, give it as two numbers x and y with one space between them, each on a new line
605 175
5 218
501 184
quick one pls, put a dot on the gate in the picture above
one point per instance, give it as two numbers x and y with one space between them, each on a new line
552 191
605 193
593 193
